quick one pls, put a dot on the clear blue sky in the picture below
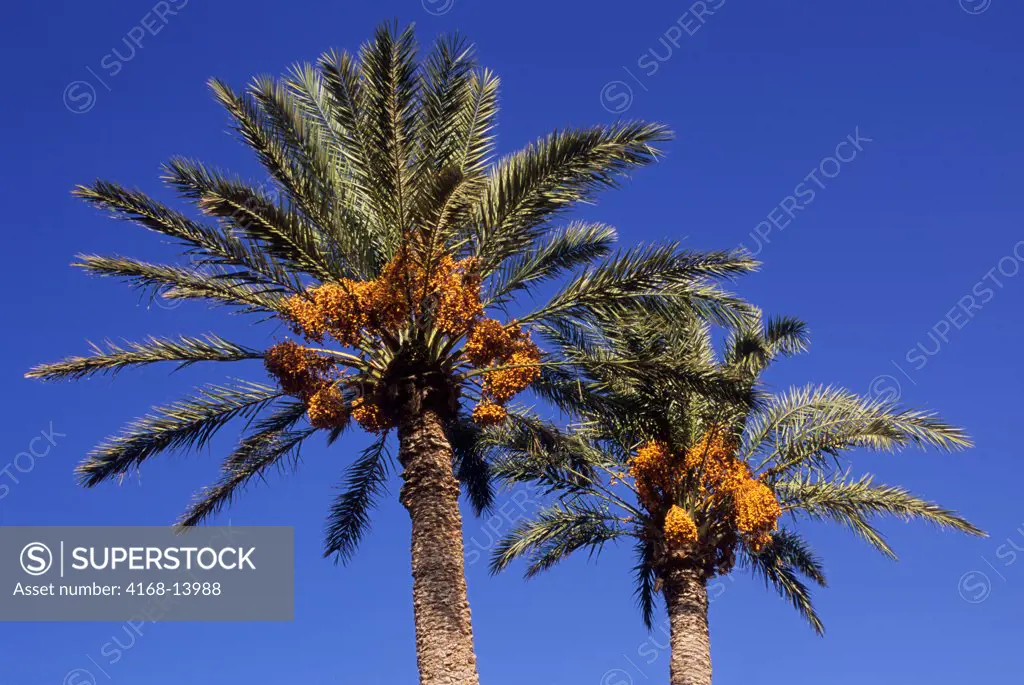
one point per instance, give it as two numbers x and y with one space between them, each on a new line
760 94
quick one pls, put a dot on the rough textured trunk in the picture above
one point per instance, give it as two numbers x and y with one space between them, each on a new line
444 631
686 596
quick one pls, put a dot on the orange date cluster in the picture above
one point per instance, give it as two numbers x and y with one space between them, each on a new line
444 295
724 486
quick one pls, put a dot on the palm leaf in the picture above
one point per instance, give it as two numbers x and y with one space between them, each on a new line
529 187
650 279
189 423
210 244
780 562
469 451
271 441
386 105
280 231
349 518
809 425
113 358
852 502
646 581
555 533
215 283
577 244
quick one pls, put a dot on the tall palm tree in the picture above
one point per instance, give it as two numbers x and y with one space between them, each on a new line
684 451
388 233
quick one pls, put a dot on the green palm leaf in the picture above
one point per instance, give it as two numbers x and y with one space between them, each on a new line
217 284
271 441
113 358
189 423
349 518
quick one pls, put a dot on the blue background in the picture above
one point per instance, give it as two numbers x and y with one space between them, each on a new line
759 95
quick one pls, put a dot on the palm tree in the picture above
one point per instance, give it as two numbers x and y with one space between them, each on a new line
386 235
683 450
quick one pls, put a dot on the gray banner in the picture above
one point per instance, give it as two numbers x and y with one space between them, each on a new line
222 573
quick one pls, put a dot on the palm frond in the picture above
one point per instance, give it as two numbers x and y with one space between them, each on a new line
808 426
750 348
387 99
209 244
555 533
530 187
786 335
271 441
779 563
469 451
347 205
282 232
476 124
577 244
445 80
112 358
341 78
349 518
853 501
646 580
654 278
527 450
279 151
213 283
189 423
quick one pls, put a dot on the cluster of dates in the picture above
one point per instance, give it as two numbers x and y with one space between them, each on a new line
723 490
444 295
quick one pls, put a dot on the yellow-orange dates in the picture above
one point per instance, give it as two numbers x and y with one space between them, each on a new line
346 309
489 340
489 413
441 292
757 513
369 415
326 408
300 371
680 530
523 369
726 487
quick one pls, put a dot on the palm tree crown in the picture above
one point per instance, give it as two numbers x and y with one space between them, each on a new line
686 452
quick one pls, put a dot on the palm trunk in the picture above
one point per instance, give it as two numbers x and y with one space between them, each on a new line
444 630
686 596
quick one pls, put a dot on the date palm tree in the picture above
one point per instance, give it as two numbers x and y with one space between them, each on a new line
388 233
684 451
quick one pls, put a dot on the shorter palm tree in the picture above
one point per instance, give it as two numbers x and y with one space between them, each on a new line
683 450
